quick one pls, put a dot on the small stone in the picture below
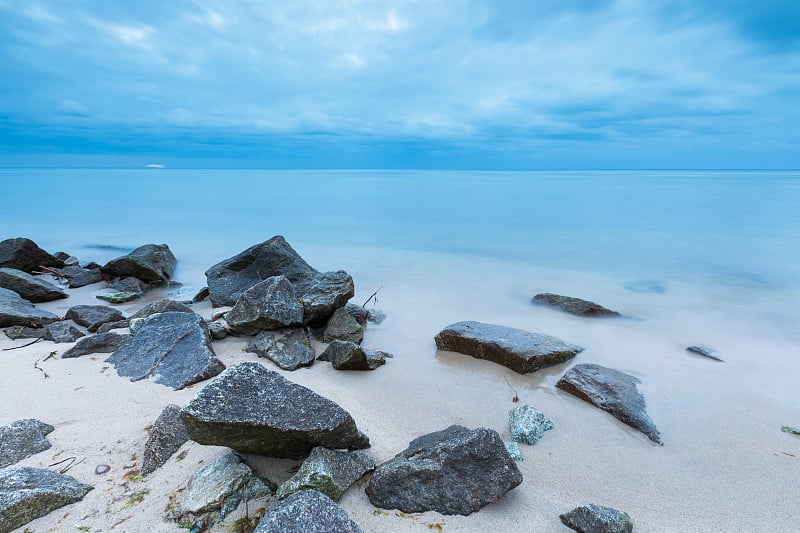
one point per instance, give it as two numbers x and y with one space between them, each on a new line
576 306
593 518
166 436
201 295
528 424
24 332
343 327
22 439
376 316
161 306
705 351
289 350
308 511
513 451
61 332
217 331
80 277
93 316
328 471
129 284
116 297
790 430
100 343
108 326
345 355
101 469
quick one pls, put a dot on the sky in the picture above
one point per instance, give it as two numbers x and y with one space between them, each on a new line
459 84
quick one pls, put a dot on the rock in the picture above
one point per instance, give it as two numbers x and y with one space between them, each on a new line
24 332
162 306
705 351
129 284
100 343
328 471
320 293
153 263
135 323
29 493
646 285
254 410
16 311
80 277
289 350
166 436
790 430
108 326
612 391
201 295
217 331
308 511
92 265
65 258
22 439
116 297
453 471
528 424
343 327
345 355
513 451
29 287
576 306
519 350
61 332
23 254
358 312
174 347
268 304
593 518
375 316
93 316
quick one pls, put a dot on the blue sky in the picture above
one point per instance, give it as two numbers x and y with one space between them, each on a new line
403 84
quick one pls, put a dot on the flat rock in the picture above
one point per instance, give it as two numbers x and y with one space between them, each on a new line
593 518
174 347
329 471
119 324
31 288
117 297
61 332
24 254
22 439
152 263
16 311
453 471
345 355
705 351
527 424
254 410
519 350
289 350
342 326
29 493
612 391
24 332
161 306
93 316
576 306
100 343
78 276
166 436
269 304
308 511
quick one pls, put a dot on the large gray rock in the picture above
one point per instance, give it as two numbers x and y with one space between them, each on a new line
129 284
254 410
78 276
161 306
153 263
29 493
269 304
519 350
61 332
119 324
453 471
29 287
593 518
329 471
576 306
289 350
342 326
345 355
309 511
22 439
16 311
527 424
24 254
24 332
174 347
100 343
612 391
93 316
320 293
166 436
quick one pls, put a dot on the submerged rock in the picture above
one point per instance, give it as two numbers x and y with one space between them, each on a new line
328 471
705 351
153 263
576 306
593 518
342 326
61 332
80 277
100 343
16 311
646 285
453 471
31 288
345 355
22 439
528 424
289 350
519 350
166 436
269 304
308 511
254 410
24 254
612 391
93 316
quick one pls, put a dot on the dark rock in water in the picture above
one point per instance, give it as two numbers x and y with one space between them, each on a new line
24 332
289 350
217 331
201 295
345 355
576 306
161 306
129 284
593 518
645 285
268 304
705 351
22 439
519 350
100 343
29 287
93 316
29 493
153 263
16 311
612 391
117 297
254 410
527 424
108 326
320 293
343 327
166 436
328 471
61 332
23 254
309 511
80 277
174 347
453 471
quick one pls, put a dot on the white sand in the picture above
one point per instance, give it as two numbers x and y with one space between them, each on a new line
725 465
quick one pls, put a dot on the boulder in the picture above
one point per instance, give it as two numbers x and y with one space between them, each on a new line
24 332
24 254
31 288
93 316
345 355
328 471
152 263
265 414
161 306
61 332
320 293
167 435
16 311
308 511
612 391
80 277
593 518
100 343
29 493
342 326
289 350
519 350
453 471
22 439
705 351
269 304
527 424
576 306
